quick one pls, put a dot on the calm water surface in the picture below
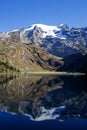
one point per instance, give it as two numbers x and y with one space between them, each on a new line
43 102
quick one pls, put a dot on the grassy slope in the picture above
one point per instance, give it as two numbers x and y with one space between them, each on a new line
6 68
28 58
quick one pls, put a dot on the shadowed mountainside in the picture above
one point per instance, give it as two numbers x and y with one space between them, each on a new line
75 63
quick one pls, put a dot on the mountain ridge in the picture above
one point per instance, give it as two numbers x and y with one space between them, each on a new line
57 40
45 47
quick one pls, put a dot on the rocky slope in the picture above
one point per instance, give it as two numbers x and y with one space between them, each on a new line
26 46
27 58
60 41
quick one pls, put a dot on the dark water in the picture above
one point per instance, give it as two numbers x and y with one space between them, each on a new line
43 102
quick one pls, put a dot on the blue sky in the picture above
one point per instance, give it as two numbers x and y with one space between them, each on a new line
16 14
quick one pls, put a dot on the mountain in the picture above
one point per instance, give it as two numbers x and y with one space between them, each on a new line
26 57
75 63
43 47
57 40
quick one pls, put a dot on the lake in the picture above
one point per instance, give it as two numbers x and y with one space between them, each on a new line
29 102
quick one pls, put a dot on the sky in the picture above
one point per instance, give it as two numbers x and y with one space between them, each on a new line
17 14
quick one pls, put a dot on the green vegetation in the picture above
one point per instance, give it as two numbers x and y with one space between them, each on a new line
6 68
16 57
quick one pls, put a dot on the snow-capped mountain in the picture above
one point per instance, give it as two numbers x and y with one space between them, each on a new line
46 30
58 40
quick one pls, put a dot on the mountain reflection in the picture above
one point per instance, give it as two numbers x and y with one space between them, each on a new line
44 97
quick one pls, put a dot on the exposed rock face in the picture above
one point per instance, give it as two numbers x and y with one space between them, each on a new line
33 36
75 41
60 41
36 35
